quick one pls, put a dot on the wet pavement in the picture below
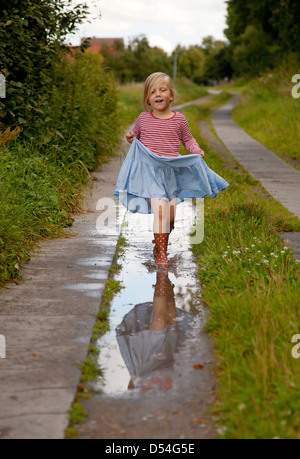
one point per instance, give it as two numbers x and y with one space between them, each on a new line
157 361
47 318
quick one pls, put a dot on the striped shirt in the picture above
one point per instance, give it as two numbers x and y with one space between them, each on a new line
164 136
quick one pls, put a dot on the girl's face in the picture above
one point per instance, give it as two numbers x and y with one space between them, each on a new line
160 96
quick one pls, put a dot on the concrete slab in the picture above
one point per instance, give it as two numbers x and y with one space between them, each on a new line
143 396
47 319
280 179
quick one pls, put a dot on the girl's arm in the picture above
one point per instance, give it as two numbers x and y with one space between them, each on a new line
129 136
189 142
135 132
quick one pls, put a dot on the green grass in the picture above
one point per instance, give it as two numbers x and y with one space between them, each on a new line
250 283
44 171
130 103
268 112
187 90
37 197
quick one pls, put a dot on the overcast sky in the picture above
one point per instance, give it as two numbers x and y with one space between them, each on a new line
166 23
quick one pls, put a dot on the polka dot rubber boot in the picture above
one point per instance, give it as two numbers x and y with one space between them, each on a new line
161 242
155 249
163 286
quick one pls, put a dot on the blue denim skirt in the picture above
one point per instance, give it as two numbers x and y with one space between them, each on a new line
145 175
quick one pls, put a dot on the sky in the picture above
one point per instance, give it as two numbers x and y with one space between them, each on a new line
166 23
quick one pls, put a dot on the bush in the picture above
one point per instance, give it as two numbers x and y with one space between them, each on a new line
32 35
81 117
43 172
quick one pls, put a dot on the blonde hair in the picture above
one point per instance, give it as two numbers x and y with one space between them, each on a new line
152 81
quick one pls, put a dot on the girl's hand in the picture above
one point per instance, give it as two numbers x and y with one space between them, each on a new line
129 136
201 153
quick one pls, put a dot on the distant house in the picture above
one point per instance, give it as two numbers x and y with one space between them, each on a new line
110 44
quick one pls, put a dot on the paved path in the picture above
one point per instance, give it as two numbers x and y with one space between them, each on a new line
47 320
155 384
280 179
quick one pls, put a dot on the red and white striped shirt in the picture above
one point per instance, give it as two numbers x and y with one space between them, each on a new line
164 136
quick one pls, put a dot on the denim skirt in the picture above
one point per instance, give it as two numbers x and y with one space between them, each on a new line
145 175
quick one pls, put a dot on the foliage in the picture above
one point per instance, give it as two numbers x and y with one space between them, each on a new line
250 282
200 63
42 173
32 34
190 61
261 32
268 112
137 61
81 115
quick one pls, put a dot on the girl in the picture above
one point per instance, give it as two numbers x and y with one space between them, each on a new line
154 176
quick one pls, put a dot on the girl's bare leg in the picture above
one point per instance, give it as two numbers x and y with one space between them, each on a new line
172 213
163 303
164 214
160 211
160 318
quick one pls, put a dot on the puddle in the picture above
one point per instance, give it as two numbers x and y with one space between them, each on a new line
155 339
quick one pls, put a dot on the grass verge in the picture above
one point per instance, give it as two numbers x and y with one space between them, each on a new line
44 171
250 282
268 112
90 369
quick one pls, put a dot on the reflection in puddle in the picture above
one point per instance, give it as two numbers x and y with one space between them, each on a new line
150 335
155 321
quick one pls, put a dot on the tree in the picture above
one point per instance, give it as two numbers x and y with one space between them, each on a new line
190 62
137 61
217 65
261 32
32 35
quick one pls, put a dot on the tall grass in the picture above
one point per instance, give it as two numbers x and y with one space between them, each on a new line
44 171
250 282
269 113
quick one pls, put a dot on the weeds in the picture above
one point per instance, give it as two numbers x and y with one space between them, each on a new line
44 171
250 282
269 113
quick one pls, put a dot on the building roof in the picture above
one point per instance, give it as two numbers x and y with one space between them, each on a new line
102 41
